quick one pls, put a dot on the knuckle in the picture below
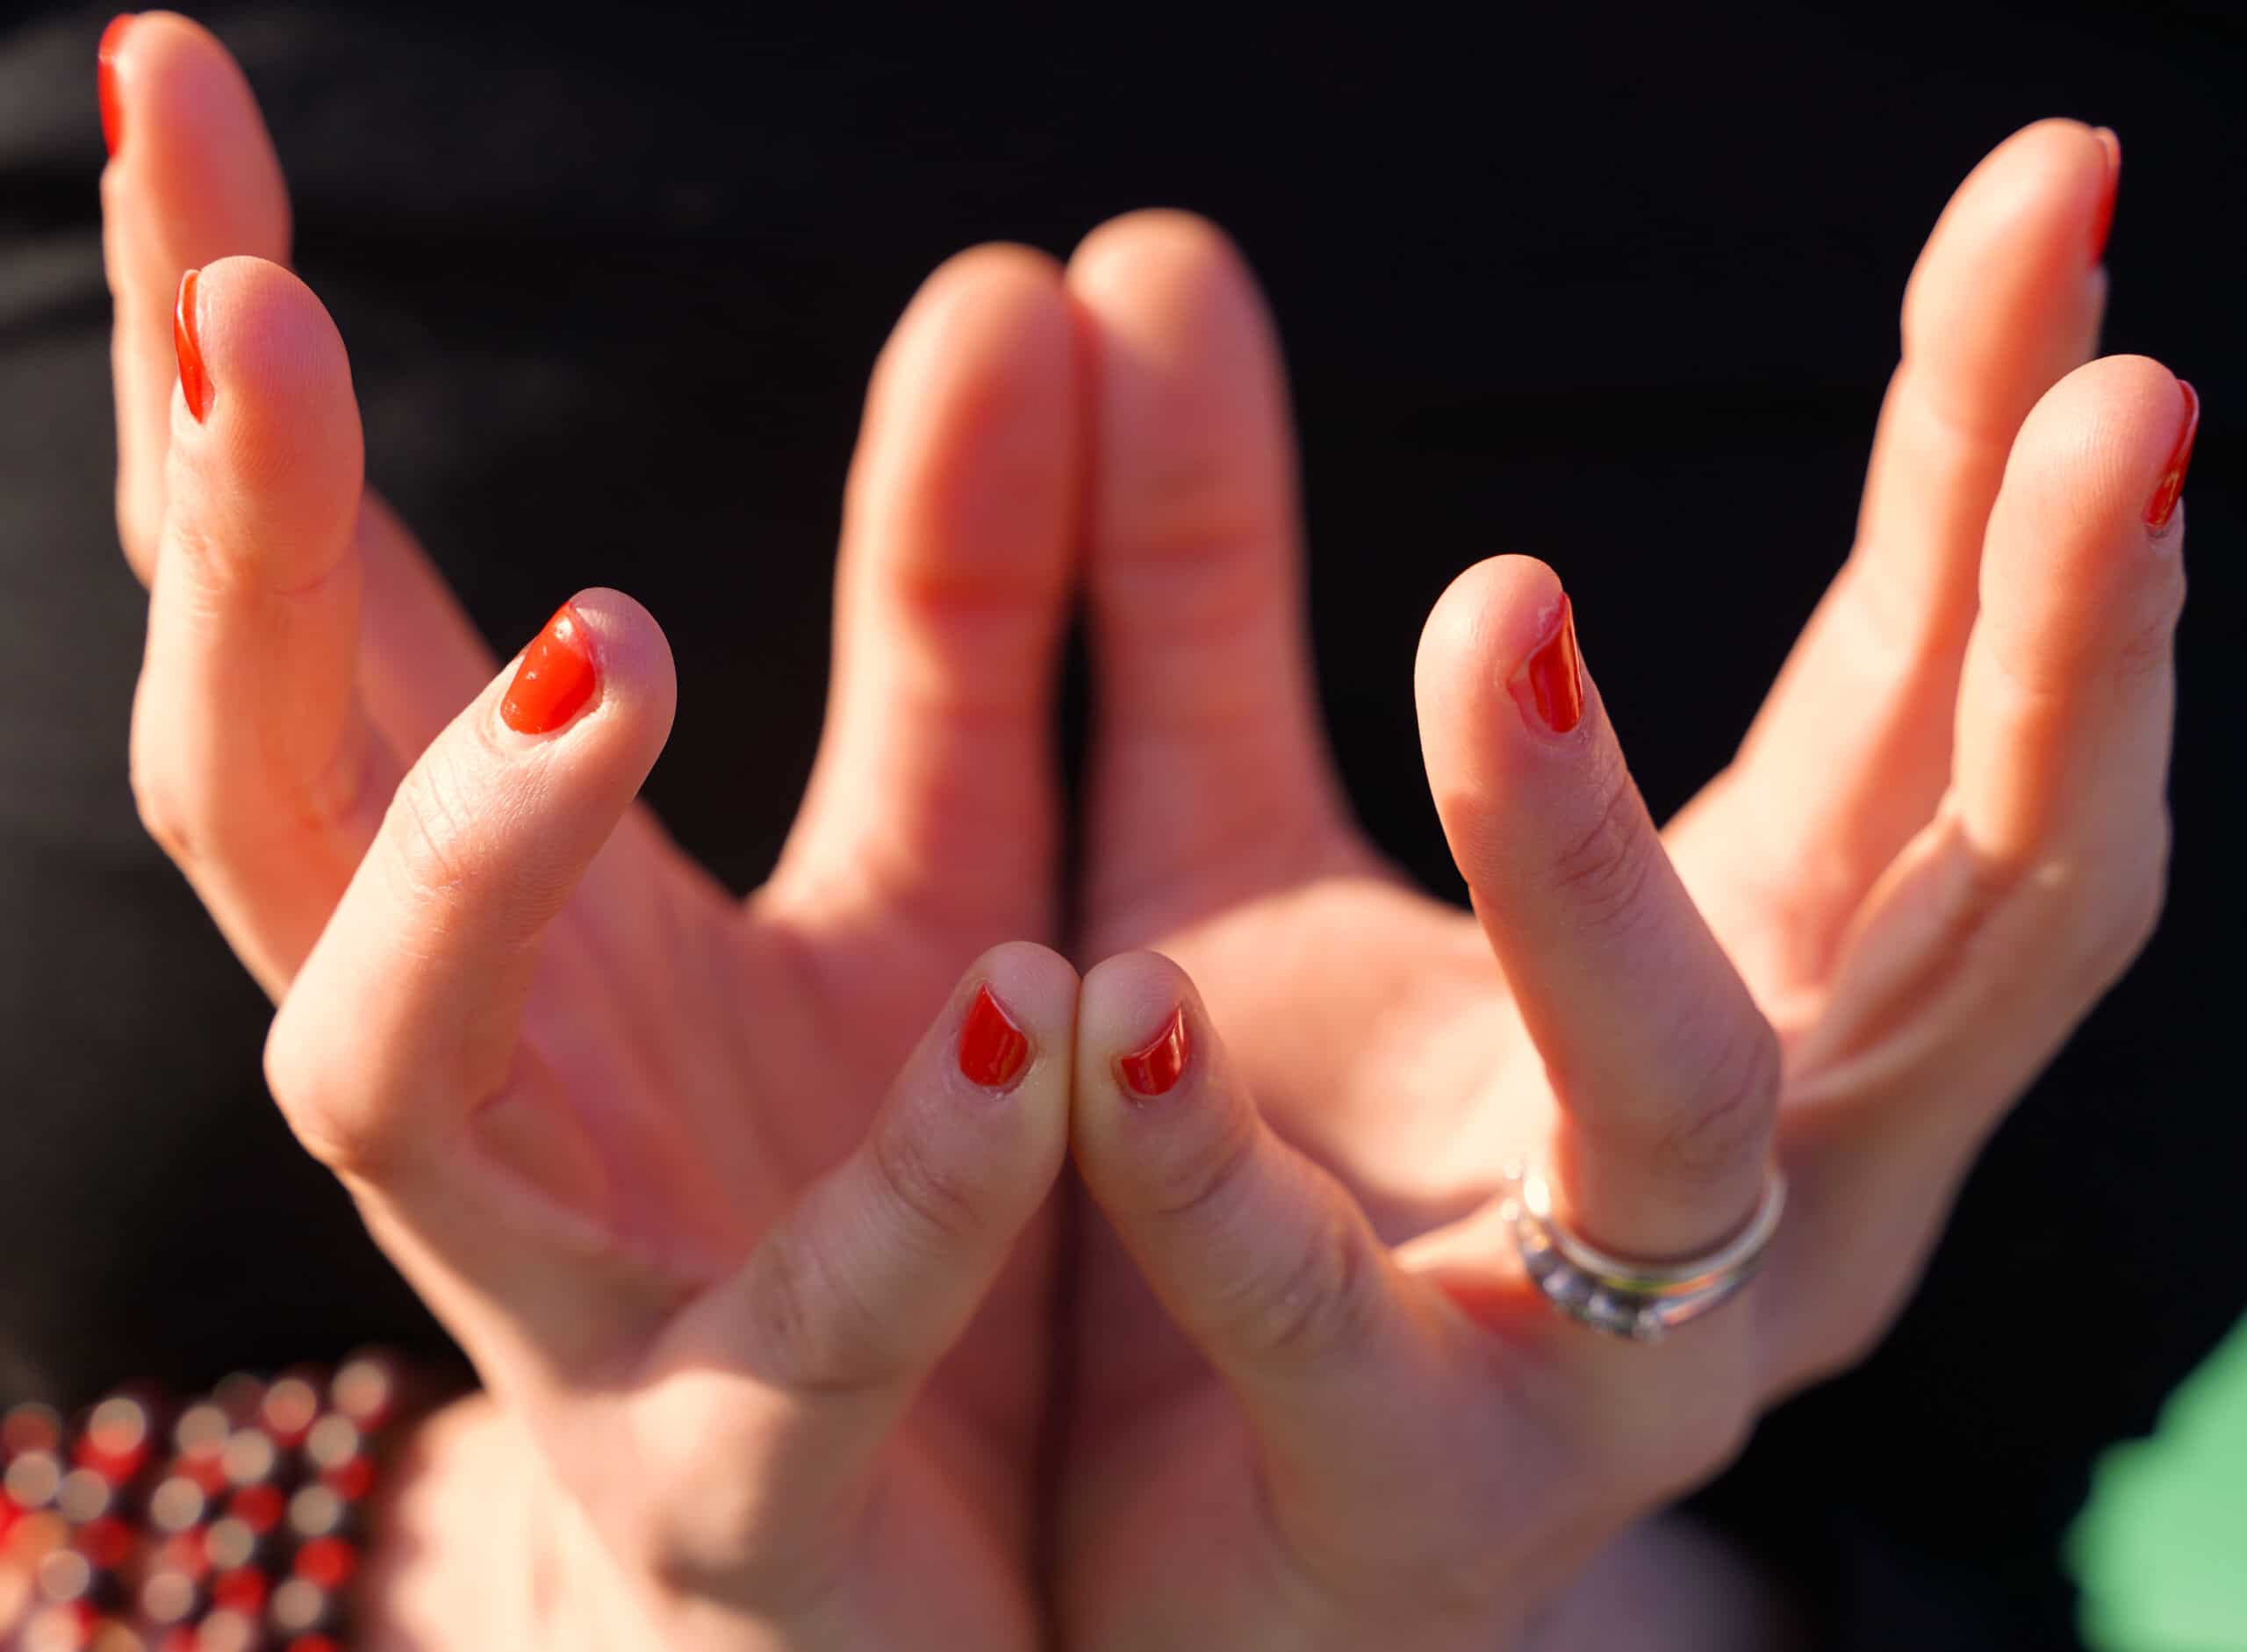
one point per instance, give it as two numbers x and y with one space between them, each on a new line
1727 1116
307 1081
1317 1299
1605 868
156 799
1201 1181
934 1196
820 1337
428 828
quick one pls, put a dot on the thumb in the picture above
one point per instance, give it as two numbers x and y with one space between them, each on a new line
1265 1262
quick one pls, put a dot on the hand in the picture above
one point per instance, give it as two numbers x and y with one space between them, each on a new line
710 1191
1321 1406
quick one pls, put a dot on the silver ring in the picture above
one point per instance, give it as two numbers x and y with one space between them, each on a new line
1640 1300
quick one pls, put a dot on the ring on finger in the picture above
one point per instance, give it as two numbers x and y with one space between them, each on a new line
1619 1296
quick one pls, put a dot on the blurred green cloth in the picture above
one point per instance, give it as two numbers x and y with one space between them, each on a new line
2160 1548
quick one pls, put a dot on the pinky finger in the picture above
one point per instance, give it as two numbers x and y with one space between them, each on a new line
2045 871
2065 709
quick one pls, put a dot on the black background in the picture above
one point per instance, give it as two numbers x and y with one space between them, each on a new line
1619 290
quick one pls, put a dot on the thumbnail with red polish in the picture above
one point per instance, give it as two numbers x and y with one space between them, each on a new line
993 1051
189 348
1153 1067
105 76
1549 687
2163 505
555 678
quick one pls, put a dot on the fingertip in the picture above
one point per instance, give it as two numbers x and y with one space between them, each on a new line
601 669
188 125
267 460
1131 1004
1172 254
999 305
631 647
1015 1013
1500 686
261 329
1153 1104
1487 621
2098 442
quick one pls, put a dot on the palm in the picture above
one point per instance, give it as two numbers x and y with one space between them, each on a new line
678 1029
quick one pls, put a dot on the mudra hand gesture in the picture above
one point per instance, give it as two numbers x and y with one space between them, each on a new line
746 1210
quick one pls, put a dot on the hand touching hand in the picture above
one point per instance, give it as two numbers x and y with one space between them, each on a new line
1321 1406
711 1191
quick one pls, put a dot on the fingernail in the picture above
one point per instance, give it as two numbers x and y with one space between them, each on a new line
555 678
2163 506
192 378
1156 1065
1549 685
2102 221
993 1051
106 57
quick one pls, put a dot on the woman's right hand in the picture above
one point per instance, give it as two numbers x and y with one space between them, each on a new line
707 1188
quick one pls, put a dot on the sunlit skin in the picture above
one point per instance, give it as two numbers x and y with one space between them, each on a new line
747 1210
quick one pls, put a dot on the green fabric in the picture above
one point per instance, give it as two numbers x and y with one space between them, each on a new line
2160 1548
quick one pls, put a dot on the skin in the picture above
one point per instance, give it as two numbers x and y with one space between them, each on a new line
1317 1404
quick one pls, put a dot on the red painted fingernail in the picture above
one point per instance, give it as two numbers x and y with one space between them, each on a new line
1549 686
1156 1065
192 378
555 678
2163 505
993 1051
106 57
2102 221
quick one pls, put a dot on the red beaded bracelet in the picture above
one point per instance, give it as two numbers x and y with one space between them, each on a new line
231 1524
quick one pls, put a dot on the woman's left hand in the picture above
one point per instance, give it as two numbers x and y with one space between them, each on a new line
1321 1406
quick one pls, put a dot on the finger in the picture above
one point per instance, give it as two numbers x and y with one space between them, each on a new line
2042 876
1666 1072
1207 753
850 1301
396 1055
252 758
2049 861
192 179
1264 1260
2067 703
934 785
1852 749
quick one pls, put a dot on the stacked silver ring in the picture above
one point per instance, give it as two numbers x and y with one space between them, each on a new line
1622 1298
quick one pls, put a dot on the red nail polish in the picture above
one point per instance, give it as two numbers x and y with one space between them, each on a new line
555 678
993 1051
105 58
192 378
1156 1065
2163 505
2102 221
1549 687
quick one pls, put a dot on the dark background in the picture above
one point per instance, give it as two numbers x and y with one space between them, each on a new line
1619 290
